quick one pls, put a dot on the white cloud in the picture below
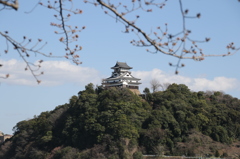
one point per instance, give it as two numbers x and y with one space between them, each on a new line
62 72
55 73
65 72
195 84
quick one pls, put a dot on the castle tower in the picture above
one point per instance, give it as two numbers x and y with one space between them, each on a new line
121 77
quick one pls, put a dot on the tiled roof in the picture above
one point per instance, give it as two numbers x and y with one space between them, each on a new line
121 65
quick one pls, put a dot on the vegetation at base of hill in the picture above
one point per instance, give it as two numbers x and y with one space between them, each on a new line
117 124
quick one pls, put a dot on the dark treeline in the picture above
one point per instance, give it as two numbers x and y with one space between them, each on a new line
115 123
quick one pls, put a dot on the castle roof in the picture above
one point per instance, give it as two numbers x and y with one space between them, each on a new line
121 65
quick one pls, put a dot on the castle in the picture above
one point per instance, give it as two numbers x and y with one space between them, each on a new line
121 77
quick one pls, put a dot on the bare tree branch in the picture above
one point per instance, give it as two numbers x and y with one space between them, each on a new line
180 45
25 48
63 23
170 44
155 84
13 5
26 52
70 33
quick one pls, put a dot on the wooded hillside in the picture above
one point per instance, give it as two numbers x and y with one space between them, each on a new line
115 123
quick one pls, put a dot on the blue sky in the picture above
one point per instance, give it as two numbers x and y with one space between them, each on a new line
104 43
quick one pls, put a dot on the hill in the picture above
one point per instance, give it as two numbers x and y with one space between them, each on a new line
115 123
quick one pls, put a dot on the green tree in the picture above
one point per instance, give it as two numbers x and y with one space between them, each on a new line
114 122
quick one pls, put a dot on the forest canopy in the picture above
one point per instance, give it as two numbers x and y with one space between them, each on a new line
115 123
